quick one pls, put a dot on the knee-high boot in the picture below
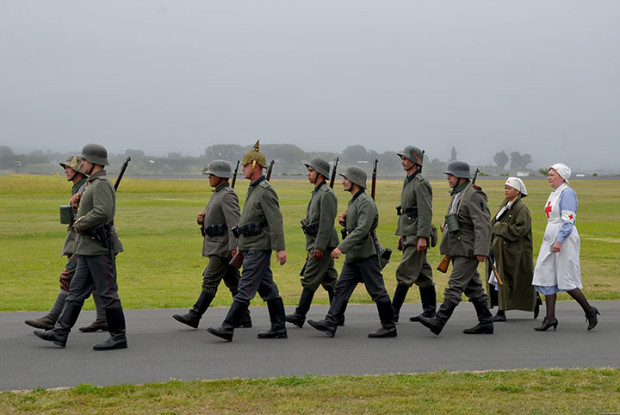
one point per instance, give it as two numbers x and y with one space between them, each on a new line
116 326
277 317
298 318
100 322
437 323
47 322
399 299
386 315
227 329
192 318
485 319
65 322
428 296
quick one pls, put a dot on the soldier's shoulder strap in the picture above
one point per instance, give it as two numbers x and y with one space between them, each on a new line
265 184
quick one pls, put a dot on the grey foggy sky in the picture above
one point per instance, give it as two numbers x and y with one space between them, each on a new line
538 77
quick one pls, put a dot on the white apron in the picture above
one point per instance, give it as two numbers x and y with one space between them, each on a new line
558 268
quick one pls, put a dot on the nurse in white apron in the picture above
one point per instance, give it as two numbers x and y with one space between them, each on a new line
558 268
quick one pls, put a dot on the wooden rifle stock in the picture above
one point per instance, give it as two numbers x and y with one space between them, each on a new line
444 264
237 260
269 170
234 178
499 280
120 175
332 180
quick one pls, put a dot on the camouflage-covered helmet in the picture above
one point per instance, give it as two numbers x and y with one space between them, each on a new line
95 154
73 162
458 169
355 175
254 155
219 168
320 166
414 154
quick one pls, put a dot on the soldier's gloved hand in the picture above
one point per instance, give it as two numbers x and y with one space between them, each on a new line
201 218
318 254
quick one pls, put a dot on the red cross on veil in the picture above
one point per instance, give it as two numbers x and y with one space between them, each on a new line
548 209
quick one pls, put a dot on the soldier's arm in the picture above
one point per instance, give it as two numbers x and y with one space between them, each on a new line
365 218
424 198
273 215
481 219
232 213
328 209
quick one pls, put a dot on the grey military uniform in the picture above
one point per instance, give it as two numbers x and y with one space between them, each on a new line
474 238
414 222
320 234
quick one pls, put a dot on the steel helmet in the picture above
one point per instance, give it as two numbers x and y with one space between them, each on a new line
95 154
73 162
414 154
458 169
254 155
219 168
355 175
320 166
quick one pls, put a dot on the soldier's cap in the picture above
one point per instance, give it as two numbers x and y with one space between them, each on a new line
458 169
355 175
219 168
413 153
320 166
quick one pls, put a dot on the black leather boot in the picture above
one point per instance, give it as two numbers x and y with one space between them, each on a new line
47 322
437 323
232 319
485 319
399 299
65 322
116 327
386 315
192 318
298 318
429 303
325 326
246 320
276 315
59 337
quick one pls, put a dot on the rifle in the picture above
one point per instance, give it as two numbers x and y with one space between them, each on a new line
120 175
332 180
234 179
383 254
499 280
374 179
269 170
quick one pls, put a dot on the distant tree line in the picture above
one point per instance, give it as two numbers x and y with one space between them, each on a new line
289 160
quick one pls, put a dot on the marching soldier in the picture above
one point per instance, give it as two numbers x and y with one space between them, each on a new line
362 262
321 239
414 234
216 222
467 240
75 176
96 244
260 230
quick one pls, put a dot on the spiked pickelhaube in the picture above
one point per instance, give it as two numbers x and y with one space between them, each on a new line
255 155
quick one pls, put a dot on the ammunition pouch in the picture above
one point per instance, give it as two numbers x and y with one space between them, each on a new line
214 230
102 233
410 211
433 238
66 214
310 229
384 255
250 229
344 232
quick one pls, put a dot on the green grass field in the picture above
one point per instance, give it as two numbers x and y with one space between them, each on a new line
161 267
162 263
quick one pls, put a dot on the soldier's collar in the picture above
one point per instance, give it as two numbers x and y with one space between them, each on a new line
96 175
410 178
319 185
257 181
358 194
460 188
220 187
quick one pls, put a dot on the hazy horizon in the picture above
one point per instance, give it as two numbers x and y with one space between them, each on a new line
483 76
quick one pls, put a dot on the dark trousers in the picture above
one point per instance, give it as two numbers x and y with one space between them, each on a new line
217 270
464 279
366 271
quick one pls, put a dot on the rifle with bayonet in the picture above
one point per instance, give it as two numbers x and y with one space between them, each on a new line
234 178
269 170
332 180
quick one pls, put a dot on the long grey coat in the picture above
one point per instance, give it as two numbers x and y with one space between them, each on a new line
262 206
362 218
513 250
322 209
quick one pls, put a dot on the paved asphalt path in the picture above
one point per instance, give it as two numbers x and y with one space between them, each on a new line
161 349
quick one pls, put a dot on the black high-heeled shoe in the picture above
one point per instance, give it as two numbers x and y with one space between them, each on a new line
537 306
546 324
591 318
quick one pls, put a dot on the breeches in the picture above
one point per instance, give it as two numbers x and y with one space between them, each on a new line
219 269
319 272
413 267
464 279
